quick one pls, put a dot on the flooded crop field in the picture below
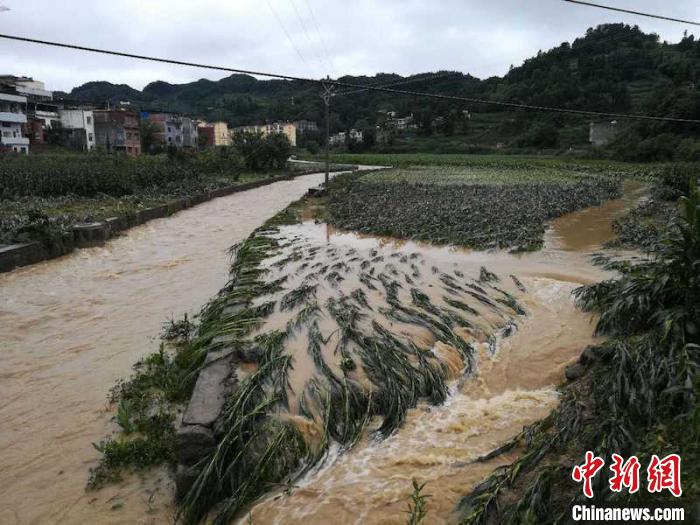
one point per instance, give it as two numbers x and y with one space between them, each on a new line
334 368
480 207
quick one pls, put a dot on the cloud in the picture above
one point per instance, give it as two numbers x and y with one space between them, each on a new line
362 37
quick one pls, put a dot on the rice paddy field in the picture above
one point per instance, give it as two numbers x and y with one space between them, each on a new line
479 206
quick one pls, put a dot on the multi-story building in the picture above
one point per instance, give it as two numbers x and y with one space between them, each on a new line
404 122
218 131
13 117
286 128
305 126
206 135
174 130
602 133
117 131
343 137
78 127
41 110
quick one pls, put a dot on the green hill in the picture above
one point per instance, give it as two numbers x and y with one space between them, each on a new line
612 68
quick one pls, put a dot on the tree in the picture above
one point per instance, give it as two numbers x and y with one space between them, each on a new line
148 130
250 146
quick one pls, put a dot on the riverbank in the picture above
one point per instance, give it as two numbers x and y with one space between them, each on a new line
62 225
71 327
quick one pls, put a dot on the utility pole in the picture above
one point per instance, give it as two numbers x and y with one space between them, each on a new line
326 96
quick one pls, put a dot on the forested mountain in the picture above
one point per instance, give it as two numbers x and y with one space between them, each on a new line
612 68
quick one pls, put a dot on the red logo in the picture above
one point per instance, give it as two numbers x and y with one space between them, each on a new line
665 474
625 474
662 474
587 471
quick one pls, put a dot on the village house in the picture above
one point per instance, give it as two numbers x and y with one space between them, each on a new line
403 122
286 128
602 133
12 119
174 130
216 133
117 131
305 126
78 128
343 137
41 110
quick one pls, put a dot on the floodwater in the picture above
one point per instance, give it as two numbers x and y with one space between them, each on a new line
69 328
510 388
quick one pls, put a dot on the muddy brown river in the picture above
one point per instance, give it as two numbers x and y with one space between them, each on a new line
69 328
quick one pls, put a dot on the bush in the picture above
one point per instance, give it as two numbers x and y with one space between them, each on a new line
688 150
262 151
673 180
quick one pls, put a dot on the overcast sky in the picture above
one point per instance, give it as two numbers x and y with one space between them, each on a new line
480 37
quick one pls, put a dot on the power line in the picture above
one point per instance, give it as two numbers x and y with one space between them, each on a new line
426 76
320 36
306 34
338 83
628 11
284 29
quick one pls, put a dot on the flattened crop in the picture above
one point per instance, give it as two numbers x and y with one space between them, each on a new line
482 209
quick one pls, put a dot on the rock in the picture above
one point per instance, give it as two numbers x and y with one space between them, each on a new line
575 371
604 353
588 356
184 479
209 392
192 443
250 353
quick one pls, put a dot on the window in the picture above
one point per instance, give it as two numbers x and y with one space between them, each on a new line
88 120
7 134
90 137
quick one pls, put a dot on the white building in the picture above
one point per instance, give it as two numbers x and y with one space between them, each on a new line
12 116
340 138
79 128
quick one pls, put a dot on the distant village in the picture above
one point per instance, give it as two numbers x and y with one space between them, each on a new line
32 120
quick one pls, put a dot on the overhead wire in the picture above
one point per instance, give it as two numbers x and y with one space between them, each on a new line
631 12
308 38
289 37
337 83
320 37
